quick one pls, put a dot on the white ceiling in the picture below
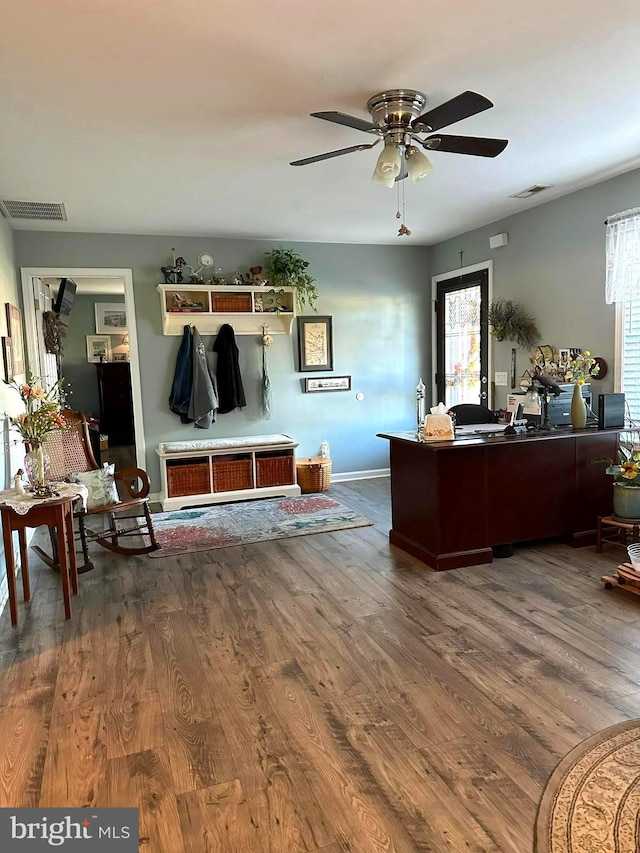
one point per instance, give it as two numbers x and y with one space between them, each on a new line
181 117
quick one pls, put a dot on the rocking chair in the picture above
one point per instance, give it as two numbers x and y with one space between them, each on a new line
70 452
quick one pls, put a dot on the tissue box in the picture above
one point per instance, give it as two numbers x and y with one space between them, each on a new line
438 427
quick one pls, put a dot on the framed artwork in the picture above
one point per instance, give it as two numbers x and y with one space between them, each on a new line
315 343
120 356
7 358
98 348
111 318
14 332
327 383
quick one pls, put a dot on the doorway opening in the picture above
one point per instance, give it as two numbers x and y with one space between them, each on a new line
99 361
461 351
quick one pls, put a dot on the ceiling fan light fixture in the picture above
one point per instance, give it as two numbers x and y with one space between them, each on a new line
388 166
418 164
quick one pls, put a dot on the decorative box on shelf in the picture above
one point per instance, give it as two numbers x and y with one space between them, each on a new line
245 307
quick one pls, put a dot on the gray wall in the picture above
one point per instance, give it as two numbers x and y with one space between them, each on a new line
555 266
80 374
377 295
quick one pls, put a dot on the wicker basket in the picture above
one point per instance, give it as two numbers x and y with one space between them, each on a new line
274 471
188 478
314 474
232 302
229 476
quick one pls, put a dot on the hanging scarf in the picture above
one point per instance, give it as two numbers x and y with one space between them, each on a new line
267 398
204 396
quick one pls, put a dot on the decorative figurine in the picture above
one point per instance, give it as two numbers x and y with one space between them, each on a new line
255 276
259 304
18 485
420 392
173 274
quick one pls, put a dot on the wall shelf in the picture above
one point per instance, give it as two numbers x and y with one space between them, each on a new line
236 304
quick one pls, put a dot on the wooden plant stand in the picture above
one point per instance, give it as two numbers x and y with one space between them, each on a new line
617 532
624 578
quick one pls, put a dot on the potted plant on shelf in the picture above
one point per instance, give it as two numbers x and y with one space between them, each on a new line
285 268
511 322
626 479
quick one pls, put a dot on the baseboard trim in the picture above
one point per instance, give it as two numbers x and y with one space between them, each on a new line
360 475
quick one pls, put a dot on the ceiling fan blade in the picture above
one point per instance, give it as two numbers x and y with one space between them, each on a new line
330 154
478 146
347 120
462 106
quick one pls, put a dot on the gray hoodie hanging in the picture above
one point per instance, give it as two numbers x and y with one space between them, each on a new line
204 391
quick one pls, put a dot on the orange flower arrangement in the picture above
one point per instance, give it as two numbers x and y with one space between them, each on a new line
42 410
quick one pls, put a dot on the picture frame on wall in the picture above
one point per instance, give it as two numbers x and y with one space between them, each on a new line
98 348
326 383
315 343
111 318
15 334
7 359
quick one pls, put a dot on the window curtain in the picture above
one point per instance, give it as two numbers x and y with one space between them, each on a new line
623 256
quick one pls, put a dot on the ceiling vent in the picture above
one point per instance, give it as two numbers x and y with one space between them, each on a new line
534 190
13 209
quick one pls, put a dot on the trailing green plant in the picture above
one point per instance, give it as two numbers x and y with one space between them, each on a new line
285 268
511 322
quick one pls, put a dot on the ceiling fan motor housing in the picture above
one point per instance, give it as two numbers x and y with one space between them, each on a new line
396 108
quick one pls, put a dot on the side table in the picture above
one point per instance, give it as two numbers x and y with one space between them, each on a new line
54 512
616 531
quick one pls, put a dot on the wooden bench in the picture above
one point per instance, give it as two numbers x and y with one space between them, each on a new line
216 470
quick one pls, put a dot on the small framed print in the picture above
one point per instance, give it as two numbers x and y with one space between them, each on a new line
7 358
98 348
120 356
327 383
14 333
315 343
111 318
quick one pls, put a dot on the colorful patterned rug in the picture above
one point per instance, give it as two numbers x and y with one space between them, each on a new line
220 526
592 800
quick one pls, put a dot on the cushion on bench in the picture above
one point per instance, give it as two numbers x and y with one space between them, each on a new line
206 444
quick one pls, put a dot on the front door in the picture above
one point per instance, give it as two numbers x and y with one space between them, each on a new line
462 332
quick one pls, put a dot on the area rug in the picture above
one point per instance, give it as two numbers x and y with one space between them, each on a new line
188 530
591 803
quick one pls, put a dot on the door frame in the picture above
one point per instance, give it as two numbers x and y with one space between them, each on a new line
121 276
435 280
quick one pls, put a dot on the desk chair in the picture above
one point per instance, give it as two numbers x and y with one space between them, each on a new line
473 413
70 452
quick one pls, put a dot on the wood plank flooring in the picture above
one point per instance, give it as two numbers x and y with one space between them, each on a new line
321 693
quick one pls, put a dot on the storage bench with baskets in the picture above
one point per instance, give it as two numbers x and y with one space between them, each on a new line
226 469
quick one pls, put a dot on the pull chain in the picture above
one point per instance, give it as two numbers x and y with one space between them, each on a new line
403 231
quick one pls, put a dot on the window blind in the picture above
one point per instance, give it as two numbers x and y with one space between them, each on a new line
631 355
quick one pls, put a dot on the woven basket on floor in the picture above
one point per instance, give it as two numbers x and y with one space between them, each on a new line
314 474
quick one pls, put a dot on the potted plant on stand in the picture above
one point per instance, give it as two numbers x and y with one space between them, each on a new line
626 480
285 268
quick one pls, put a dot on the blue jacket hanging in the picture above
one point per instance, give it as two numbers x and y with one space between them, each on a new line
180 396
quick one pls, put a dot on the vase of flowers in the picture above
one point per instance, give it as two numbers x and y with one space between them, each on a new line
41 416
580 368
626 479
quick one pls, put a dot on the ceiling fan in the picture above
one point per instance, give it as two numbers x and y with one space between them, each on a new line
398 120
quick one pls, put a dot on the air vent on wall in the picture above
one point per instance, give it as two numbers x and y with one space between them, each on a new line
13 209
534 190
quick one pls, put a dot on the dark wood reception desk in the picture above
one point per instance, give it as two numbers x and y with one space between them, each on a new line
453 500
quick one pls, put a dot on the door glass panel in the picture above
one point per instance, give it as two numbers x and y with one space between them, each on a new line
462 332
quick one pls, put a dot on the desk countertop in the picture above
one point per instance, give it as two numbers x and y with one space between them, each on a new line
467 440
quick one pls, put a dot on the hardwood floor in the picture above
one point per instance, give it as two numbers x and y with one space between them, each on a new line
324 692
